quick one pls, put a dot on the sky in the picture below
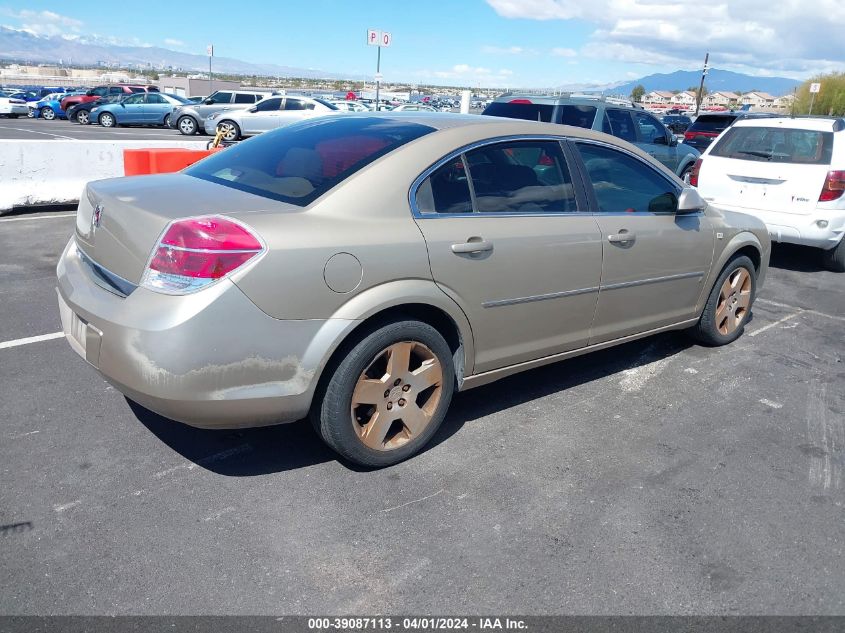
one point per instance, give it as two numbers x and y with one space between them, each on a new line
501 43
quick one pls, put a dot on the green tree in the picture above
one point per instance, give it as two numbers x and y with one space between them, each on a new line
637 93
830 99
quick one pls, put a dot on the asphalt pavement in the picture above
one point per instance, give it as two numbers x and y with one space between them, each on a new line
23 128
659 477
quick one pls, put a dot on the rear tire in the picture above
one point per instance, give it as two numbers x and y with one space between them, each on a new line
729 304
834 259
388 396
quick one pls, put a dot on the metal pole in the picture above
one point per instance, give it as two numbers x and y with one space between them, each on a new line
378 79
209 74
701 85
812 101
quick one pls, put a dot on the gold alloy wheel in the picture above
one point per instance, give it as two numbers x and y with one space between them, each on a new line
397 395
734 301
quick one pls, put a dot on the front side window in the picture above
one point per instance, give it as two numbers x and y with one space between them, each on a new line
650 129
100 92
300 162
521 177
776 145
220 97
269 105
622 183
619 124
134 99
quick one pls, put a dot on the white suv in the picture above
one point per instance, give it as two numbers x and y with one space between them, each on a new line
789 172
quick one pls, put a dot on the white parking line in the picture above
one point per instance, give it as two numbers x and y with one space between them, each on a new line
804 310
775 324
41 217
19 129
31 339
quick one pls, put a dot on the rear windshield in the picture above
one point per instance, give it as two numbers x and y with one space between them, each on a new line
776 145
302 161
527 111
711 123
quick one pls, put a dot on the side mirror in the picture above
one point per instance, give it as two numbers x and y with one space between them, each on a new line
673 141
690 201
209 102
253 109
660 140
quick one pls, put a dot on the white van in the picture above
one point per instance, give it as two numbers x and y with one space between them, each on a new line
789 172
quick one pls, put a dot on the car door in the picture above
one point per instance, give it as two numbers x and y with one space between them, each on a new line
131 109
263 116
654 260
508 243
294 110
654 139
618 123
156 108
214 103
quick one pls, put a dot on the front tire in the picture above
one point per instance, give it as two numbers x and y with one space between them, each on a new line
729 305
187 125
82 117
47 113
388 396
107 120
230 129
834 259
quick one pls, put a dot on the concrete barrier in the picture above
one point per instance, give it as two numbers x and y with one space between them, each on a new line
54 172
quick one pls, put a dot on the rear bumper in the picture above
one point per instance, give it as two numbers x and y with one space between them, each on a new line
211 360
792 228
14 108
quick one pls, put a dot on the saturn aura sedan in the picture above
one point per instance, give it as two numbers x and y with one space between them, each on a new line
360 269
142 108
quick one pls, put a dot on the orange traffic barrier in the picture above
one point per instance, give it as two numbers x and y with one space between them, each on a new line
161 160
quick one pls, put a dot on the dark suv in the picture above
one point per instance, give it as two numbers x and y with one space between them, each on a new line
608 115
707 127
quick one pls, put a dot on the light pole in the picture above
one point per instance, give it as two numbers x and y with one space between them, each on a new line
701 85
210 51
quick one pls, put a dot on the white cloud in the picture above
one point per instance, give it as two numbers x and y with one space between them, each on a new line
169 41
505 50
564 52
791 37
465 75
44 23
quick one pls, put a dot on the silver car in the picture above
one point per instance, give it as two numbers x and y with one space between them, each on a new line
360 269
190 118
269 114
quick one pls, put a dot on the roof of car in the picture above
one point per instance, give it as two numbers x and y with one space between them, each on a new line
822 124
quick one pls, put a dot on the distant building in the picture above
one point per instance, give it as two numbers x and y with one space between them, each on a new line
658 97
194 87
721 98
785 102
685 98
758 100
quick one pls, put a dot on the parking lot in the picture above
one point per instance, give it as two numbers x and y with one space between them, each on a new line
40 130
656 477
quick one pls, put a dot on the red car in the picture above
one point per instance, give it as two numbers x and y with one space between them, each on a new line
104 91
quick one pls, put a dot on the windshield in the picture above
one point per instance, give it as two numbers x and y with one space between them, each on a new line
776 145
301 162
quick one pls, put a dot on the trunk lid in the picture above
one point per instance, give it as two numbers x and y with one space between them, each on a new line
133 213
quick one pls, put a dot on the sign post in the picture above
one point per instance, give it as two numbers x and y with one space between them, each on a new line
210 50
814 89
379 39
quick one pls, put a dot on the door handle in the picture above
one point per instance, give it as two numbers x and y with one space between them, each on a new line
472 246
621 237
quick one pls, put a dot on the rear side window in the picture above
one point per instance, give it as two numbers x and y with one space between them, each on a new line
294 104
301 162
711 123
776 145
446 190
579 116
622 183
515 110
239 98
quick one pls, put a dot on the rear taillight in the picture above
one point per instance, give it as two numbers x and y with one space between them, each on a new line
693 174
834 186
196 252
523 101
691 135
688 136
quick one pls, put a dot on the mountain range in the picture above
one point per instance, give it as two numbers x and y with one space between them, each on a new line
23 46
